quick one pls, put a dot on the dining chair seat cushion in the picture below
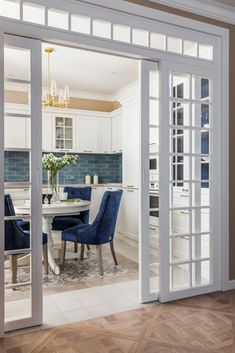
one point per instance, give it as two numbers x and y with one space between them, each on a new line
23 241
25 225
62 223
76 234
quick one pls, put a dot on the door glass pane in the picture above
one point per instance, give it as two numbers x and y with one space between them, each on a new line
180 249
122 33
33 13
190 48
180 277
174 45
58 19
158 41
180 222
10 8
140 37
201 273
81 24
201 246
102 29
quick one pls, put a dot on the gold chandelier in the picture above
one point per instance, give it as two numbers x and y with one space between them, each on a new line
51 96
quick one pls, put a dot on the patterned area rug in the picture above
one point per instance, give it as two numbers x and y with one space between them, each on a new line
77 271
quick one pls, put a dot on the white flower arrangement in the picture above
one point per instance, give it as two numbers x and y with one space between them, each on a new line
52 163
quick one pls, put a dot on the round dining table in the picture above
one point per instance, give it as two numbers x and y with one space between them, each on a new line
49 211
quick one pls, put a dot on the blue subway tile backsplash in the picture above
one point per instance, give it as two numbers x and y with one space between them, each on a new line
107 166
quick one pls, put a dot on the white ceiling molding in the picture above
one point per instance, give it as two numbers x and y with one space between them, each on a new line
211 9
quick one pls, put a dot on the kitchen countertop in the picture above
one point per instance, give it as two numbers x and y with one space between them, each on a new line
25 186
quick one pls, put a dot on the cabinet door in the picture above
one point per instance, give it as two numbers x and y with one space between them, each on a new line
104 135
88 134
63 131
129 213
117 134
96 196
131 160
47 132
15 132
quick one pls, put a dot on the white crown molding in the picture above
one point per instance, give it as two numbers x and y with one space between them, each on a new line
211 9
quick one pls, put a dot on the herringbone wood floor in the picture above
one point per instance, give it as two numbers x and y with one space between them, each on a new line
203 324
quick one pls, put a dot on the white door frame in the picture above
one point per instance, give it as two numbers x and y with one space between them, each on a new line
113 12
35 180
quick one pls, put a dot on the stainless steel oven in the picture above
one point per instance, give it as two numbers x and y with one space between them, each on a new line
154 206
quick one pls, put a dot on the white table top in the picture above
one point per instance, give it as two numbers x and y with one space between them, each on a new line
60 208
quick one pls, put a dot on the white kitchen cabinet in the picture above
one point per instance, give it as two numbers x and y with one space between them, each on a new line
105 135
128 219
87 134
96 196
131 160
47 135
117 133
16 132
63 133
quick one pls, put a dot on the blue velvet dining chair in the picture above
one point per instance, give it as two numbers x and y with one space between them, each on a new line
100 232
16 238
61 223
64 222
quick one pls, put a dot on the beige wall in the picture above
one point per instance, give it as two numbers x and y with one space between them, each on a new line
75 103
231 117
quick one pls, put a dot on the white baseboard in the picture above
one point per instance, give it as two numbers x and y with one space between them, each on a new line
230 285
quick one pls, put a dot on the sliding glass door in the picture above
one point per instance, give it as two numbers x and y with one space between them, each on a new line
149 181
190 230
21 234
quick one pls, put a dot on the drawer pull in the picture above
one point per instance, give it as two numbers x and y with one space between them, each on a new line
130 190
87 151
152 228
130 186
184 212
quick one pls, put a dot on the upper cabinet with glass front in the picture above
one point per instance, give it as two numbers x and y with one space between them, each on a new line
64 133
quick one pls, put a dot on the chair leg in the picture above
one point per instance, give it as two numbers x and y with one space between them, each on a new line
82 252
62 253
13 264
45 258
75 247
113 252
88 247
99 258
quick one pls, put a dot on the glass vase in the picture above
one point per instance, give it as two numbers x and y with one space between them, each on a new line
53 184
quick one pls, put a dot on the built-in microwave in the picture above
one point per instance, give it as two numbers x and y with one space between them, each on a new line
153 168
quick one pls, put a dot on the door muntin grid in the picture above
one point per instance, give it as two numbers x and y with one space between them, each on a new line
190 240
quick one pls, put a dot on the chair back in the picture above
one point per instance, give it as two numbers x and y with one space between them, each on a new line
83 193
10 226
105 221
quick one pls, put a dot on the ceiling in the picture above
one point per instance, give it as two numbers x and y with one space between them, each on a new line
84 71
